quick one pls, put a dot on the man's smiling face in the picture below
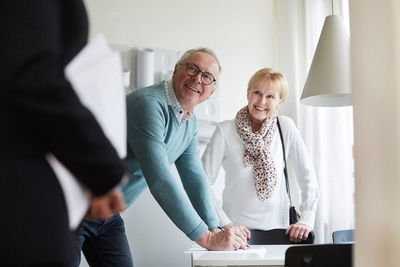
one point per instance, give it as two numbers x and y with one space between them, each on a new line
189 90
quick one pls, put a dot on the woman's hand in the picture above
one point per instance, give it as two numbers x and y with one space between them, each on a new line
298 232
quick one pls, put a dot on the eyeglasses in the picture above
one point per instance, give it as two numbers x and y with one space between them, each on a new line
206 77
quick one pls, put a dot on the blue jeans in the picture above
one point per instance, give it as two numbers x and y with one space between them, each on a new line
103 243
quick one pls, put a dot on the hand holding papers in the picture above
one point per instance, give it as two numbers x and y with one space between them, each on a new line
96 76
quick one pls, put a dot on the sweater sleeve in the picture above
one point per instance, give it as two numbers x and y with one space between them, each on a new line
300 160
212 159
147 117
195 183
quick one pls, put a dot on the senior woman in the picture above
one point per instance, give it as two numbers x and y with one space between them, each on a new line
250 151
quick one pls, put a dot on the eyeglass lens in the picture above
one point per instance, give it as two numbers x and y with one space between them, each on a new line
206 77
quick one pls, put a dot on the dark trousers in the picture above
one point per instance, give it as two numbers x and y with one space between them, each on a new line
103 243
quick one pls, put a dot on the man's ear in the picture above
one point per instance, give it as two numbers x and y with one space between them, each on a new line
175 70
213 90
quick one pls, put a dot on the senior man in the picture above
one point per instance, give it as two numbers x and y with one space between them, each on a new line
162 131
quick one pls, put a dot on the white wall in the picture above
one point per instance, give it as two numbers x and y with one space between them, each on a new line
240 32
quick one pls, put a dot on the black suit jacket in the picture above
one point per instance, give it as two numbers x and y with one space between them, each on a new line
40 113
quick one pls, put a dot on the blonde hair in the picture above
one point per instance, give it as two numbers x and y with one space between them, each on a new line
268 74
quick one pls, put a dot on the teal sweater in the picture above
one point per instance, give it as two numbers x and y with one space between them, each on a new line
155 142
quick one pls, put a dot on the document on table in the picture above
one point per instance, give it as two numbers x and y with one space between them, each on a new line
96 76
198 249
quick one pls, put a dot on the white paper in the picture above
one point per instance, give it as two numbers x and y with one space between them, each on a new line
201 250
75 194
100 88
125 52
96 76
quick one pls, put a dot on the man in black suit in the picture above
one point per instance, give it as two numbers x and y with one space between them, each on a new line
40 114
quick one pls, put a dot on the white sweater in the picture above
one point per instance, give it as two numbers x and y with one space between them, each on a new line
240 204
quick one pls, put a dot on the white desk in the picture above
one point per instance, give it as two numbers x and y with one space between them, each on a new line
273 255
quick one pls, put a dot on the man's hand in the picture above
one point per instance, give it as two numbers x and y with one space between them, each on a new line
232 237
239 230
298 232
104 206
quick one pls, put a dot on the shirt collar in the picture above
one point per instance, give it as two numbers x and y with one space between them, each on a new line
173 102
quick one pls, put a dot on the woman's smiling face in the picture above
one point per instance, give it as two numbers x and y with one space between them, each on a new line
263 100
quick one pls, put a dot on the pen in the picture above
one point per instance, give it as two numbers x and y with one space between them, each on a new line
222 229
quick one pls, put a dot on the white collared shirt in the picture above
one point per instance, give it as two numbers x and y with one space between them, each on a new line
173 102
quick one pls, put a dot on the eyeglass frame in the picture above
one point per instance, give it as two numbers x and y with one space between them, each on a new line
199 71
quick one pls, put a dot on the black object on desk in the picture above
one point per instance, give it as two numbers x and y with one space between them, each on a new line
326 255
275 237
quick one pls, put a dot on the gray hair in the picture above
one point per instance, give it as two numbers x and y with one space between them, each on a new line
199 49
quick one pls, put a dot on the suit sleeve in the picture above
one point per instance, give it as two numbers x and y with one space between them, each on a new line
43 104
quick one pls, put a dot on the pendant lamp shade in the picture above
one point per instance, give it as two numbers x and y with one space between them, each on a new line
328 81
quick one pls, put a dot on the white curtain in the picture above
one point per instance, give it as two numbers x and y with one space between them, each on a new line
327 132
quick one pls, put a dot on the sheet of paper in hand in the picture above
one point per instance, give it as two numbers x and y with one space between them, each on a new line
96 76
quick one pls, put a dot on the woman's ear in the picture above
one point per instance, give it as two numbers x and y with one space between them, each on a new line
280 102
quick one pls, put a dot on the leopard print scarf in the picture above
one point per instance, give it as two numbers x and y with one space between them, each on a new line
257 152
